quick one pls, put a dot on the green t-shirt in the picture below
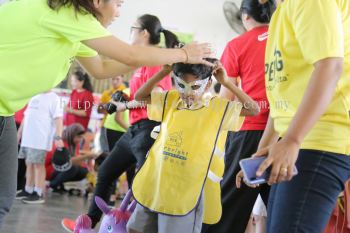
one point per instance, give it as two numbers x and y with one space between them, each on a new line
110 122
37 47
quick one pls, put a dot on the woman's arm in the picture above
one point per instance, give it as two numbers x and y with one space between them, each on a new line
101 68
130 56
316 99
136 56
77 160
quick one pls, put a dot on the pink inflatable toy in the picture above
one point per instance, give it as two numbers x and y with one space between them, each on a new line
114 220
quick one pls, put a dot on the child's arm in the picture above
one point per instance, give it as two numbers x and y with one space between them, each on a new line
59 129
20 131
122 106
250 107
77 112
144 93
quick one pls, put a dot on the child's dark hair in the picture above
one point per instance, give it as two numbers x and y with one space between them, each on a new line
81 6
84 77
70 133
261 13
199 70
153 26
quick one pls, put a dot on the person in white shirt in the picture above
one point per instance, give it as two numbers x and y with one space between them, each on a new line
42 124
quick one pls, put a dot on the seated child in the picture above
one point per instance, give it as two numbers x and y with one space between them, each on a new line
169 186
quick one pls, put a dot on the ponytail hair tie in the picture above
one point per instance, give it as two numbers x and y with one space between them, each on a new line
162 29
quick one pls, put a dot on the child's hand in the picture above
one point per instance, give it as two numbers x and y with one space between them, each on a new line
240 178
59 143
220 73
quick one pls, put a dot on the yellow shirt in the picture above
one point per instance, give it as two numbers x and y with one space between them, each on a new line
37 47
301 33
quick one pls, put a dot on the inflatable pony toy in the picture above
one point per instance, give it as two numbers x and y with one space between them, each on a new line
114 220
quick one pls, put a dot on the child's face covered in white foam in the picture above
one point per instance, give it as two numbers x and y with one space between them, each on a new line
191 88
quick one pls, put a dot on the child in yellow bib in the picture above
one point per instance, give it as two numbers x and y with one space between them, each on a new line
169 186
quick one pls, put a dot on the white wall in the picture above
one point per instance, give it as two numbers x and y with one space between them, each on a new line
204 18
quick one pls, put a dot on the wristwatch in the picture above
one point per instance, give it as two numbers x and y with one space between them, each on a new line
57 137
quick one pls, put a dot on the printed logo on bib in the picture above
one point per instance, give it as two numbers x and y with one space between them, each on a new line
173 151
273 71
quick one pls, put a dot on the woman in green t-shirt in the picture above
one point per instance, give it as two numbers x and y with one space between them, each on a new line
40 39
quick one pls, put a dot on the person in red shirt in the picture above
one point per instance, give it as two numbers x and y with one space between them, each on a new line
78 109
244 58
133 146
72 137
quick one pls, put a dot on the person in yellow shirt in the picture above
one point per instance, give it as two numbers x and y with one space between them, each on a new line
307 75
39 41
169 186
113 125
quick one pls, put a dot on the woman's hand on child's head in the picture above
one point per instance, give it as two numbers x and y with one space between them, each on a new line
219 73
196 53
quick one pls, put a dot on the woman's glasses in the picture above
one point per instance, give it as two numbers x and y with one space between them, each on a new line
135 27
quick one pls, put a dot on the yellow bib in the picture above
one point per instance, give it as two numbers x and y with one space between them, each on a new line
172 178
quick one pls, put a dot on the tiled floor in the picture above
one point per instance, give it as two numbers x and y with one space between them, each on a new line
45 218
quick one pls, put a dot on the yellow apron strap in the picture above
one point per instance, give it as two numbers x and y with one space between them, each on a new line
219 153
165 100
156 130
213 177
